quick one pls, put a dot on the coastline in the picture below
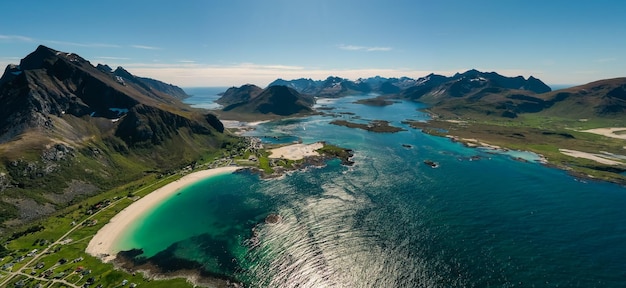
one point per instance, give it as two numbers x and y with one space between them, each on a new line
102 244
296 151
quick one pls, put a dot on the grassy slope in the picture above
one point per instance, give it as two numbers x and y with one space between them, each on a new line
112 164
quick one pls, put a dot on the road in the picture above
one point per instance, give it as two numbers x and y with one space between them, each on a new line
58 241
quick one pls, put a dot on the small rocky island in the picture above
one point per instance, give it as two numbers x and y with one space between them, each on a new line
273 219
431 163
379 126
378 101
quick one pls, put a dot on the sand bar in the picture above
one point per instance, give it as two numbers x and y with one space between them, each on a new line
595 157
102 244
609 132
296 151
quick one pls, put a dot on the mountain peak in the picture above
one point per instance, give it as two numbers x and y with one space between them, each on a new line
120 71
275 99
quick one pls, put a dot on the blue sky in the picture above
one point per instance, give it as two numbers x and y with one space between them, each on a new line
234 42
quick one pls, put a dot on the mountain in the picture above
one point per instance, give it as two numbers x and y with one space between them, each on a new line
236 95
331 87
463 98
277 100
413 89
302 85
69 129
603 98
471 84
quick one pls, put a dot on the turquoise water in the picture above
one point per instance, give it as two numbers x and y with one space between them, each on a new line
392 221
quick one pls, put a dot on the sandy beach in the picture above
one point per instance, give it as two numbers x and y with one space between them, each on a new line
613 132
101 245
296 151
595 157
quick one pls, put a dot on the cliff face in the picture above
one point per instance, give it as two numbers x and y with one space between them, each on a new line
66 125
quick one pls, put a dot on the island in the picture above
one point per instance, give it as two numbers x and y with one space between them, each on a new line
379 126
378 101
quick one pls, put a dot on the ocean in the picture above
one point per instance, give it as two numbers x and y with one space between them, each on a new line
204 97
481 219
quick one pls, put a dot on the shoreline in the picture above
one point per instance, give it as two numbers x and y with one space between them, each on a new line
101 245
296 151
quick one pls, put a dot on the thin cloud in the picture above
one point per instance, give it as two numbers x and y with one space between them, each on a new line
145 47
18 38
111 58
268 67
364 48
91 45
586 72
21 38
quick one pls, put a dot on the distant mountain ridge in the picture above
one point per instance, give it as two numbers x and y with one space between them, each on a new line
479 92
411 88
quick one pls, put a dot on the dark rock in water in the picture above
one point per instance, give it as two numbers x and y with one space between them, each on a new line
273 219
432 164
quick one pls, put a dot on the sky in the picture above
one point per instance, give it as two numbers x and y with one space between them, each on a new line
199 43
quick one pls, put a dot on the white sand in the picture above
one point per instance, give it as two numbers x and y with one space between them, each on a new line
608 132
456 121
296 151
595 157
101 245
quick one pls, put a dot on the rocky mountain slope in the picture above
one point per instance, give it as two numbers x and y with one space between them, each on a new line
69 129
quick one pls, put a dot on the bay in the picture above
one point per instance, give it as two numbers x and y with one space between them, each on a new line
479 220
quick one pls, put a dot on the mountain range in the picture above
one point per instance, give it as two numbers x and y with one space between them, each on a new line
69 129
408 87
486 93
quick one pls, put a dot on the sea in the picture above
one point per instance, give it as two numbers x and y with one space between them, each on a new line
482 218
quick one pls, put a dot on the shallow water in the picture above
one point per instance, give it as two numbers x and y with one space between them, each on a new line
392 221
